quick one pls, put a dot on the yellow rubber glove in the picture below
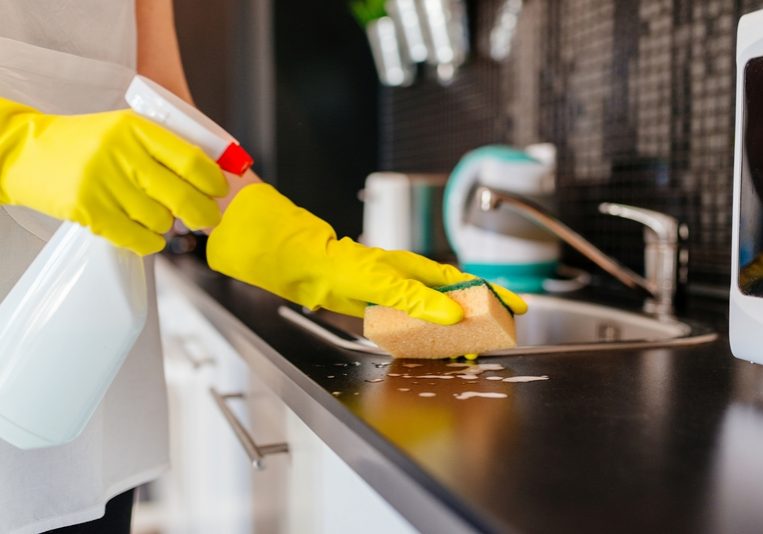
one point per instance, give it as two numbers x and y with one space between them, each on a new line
267 241
120 175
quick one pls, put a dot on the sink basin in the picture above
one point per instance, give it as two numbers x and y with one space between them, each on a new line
552 325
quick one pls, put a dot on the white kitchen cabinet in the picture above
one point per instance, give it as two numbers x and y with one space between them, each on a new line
205 490
326 496
213 486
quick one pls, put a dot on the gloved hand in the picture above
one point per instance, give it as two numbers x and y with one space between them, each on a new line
117 173
267 241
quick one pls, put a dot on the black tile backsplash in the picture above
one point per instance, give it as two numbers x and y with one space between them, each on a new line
637 95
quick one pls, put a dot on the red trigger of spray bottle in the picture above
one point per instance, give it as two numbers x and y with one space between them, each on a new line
235 159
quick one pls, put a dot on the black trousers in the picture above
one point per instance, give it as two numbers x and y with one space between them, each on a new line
116 520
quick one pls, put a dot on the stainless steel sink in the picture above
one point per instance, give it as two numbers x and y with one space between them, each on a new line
552 325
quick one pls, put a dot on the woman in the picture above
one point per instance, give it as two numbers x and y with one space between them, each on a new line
65 153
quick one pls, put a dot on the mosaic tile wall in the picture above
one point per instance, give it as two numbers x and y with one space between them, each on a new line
637 95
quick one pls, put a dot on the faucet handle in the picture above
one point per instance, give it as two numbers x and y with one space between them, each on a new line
665 227
664 263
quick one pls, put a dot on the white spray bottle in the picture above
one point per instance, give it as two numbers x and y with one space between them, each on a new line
69 322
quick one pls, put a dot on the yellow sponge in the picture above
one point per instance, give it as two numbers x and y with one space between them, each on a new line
488 324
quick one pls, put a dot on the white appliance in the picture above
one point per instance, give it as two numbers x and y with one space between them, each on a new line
746 292
403 211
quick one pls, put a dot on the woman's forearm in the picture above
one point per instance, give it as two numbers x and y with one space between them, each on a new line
158 50
236 184
159 59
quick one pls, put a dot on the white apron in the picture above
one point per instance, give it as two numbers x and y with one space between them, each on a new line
76 56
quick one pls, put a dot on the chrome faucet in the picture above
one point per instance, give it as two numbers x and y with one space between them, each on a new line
661 253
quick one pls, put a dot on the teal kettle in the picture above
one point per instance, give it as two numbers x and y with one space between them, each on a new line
502 246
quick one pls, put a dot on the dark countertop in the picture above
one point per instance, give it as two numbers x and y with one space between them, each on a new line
659 440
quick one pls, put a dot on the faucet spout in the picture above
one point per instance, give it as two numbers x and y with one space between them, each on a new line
490 199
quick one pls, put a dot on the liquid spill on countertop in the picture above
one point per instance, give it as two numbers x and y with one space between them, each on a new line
525 378
470 372
491 366
474 369
485 394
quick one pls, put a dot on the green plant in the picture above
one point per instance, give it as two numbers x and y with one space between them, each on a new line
366 11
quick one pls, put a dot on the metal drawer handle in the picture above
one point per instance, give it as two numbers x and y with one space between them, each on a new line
256 453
